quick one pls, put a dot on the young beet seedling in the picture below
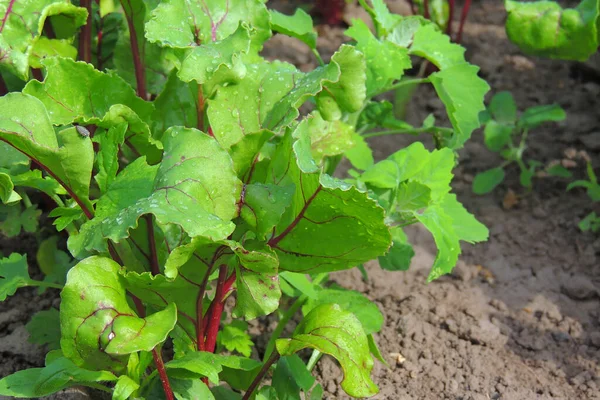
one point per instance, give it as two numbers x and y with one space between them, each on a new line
186 177
592 221
506 133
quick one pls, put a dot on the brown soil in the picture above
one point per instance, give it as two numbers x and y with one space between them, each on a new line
519 318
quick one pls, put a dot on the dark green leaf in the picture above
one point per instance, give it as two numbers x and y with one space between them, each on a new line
535 116
44 328
497 135
503 108
486 181
291 378
13 274
401 253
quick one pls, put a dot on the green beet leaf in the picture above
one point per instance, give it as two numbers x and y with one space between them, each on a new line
44 328
95 98
13 274
503 108
235 337
385 61
205 22
400 254
175 106
486 181
59 373
269 97
194 187
330 225
290 379
67 157
210 365
334 331
364 309
299 26
124 387
497 135
99 328
13 219
263 206
257 282
21 43
457 83
535 116
544 28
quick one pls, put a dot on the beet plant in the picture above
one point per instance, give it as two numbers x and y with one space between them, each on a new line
196 195
506 133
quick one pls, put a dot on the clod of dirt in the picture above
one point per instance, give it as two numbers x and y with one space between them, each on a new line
579 288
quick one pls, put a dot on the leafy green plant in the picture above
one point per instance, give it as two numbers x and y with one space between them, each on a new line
185 175
506 133
591 222
544 28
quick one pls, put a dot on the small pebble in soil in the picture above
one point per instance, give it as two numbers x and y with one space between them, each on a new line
579 288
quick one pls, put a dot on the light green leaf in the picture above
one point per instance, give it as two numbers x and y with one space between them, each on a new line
221 60
235 337
21 30
457 83
462 92
210 365
257 283
486 181
465 226
364 309
267 98
194 187
497 135
93 300
544 28
349 92
95 98
181 23
334 331
412 196
360 155
328 138
299 26
385 61
190 389
302 283
68 157
124 388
